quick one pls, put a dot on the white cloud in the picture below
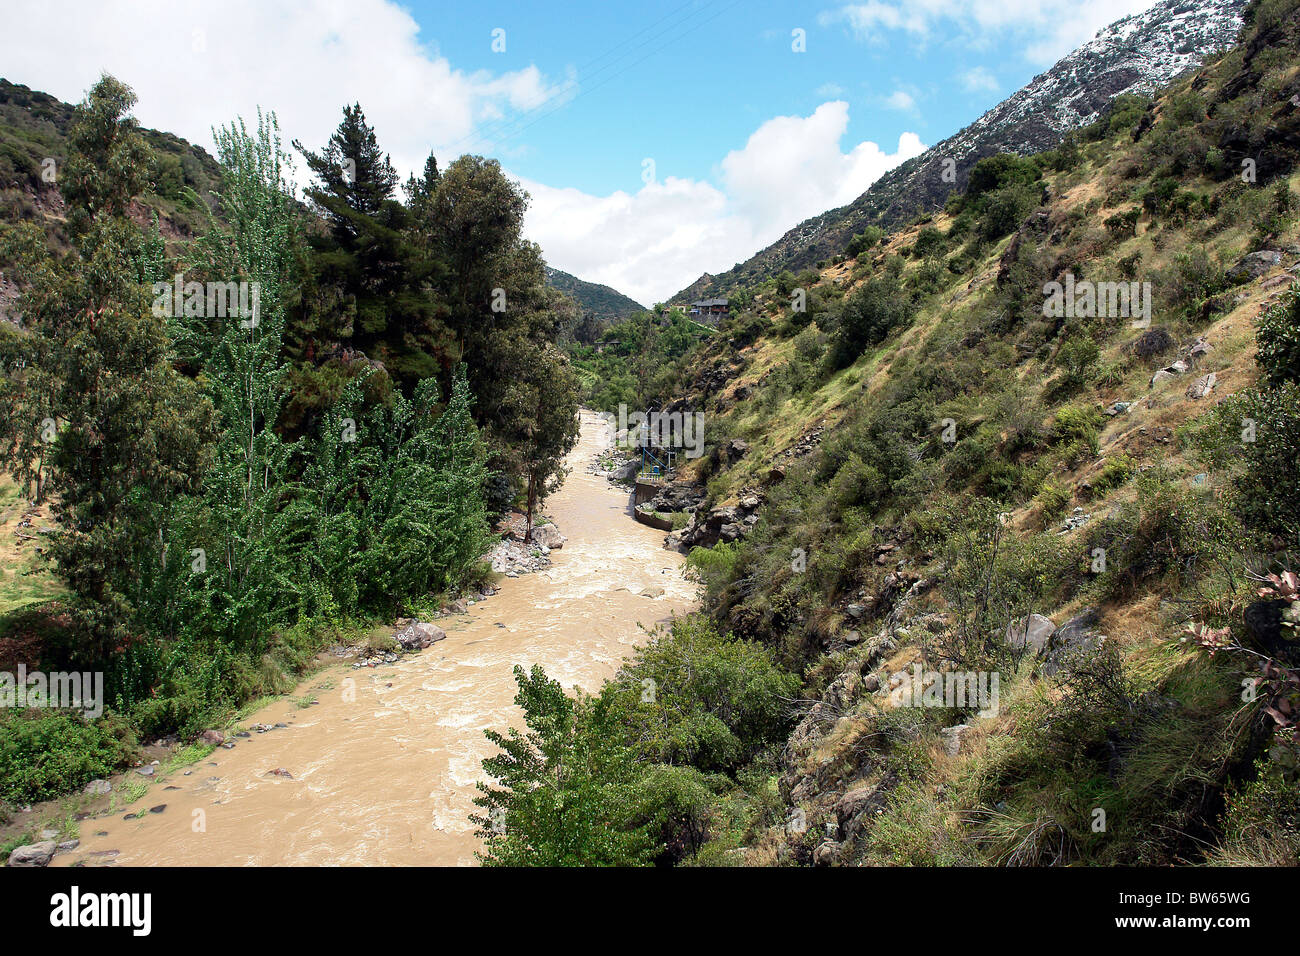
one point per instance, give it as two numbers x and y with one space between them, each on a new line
1049 28
979 79
206 62
651 243
900 100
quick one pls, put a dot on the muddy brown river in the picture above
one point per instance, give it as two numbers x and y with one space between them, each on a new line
384 766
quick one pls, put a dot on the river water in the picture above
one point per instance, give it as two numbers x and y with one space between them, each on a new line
384 766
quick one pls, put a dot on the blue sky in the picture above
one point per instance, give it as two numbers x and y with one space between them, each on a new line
657 140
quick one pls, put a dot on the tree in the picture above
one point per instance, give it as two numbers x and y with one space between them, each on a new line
374 282
542 396
567 794
127 432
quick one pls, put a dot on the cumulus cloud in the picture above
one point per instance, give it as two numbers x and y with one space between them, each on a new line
193 68
900 100
653 242
979 79
1048 28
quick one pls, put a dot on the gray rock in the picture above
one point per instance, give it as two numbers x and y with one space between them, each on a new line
1202 386
1076 636
33 855
952 738
1163 375
548 536
97 788
213 738
419 635
855 611
826 854
1034 633
146 771
1255 264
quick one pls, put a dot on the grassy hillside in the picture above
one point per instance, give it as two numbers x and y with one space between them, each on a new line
941 471
601 303
981 462
33 148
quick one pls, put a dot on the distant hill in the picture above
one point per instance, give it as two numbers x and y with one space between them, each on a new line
597 301
1138 54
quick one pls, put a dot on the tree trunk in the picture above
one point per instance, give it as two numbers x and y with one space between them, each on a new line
532 500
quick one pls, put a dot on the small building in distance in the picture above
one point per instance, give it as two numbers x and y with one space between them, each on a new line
714 307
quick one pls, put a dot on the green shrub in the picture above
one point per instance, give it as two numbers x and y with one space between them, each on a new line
53 752
1077 423
1278 338
1255 438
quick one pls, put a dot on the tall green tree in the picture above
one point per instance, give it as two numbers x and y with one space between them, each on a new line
128 433
374 285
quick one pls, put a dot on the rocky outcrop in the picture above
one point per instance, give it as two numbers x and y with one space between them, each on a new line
1254 265
724 523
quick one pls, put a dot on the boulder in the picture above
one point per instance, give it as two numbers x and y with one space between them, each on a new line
1033 633
33 855
736 450
97 788
1202 386
627 471
1077 636
548 536
1198 349
952 738
1255 264
826 854
213 738
419 635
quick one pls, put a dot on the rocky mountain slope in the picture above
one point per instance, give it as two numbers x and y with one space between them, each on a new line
1084 511
1138 54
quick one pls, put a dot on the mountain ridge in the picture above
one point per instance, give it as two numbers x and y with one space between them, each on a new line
1137 54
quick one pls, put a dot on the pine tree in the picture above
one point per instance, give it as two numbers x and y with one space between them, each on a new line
373 283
